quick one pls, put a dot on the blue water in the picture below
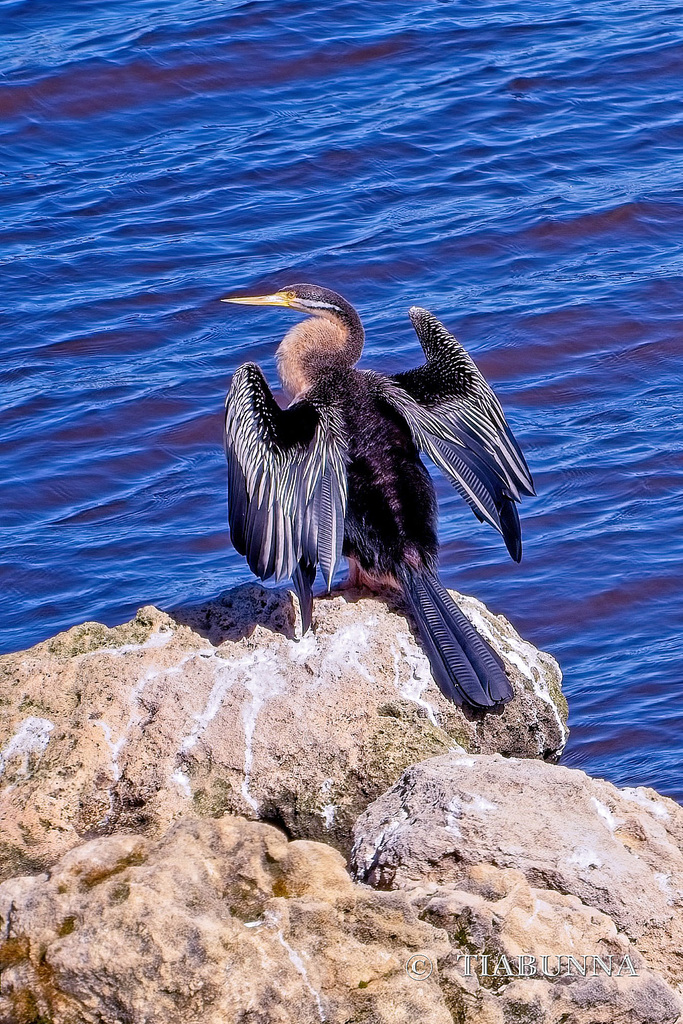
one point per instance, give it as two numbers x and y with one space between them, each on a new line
514 167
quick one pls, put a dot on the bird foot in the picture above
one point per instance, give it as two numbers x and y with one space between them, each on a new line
359 579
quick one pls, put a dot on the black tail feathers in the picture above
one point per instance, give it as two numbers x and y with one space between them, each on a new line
466 668
303 579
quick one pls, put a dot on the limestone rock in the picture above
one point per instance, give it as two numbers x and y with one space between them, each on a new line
225 920
569 846
515 926
217 921
218 708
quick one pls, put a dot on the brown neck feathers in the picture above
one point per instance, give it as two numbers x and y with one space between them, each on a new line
313 348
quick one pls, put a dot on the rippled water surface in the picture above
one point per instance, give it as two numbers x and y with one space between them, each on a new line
514 167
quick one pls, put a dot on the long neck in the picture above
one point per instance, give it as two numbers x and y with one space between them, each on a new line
347 317
311 349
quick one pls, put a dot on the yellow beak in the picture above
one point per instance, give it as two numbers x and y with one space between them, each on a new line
276 299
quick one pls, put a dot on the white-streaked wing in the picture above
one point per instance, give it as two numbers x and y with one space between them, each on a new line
286 481
457 420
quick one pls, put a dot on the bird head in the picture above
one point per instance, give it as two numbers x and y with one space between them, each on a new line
310 348
311 299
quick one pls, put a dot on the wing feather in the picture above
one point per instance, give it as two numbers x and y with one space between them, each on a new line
458 421
286 481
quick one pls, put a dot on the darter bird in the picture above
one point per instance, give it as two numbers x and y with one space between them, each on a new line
338 472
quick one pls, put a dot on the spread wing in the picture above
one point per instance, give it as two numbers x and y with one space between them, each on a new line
286 483
457 420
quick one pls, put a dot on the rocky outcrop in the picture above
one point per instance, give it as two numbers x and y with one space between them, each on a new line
225 920
486 889
218 921
519 857
218 709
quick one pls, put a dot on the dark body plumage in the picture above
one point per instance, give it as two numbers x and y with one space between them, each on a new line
339 471
391 509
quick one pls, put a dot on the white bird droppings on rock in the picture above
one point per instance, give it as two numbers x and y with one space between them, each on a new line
453 814
345 647
523 655
481 804
640 797
31 737
263 681
419 674
584 858
182 779
605 813
272 918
